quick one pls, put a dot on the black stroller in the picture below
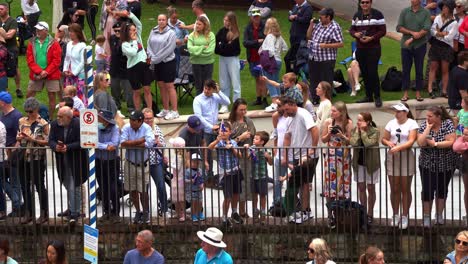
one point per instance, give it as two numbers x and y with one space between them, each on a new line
24 33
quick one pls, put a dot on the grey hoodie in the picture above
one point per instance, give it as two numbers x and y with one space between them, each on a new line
161 45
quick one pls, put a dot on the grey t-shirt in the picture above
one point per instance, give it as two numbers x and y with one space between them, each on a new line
191 139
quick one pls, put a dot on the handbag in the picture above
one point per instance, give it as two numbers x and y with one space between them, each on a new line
268 63
435 42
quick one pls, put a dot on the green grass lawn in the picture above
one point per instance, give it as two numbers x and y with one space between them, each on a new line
390 50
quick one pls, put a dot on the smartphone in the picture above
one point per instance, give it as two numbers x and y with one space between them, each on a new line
60 143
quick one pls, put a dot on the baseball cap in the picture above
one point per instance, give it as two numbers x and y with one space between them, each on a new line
42 25
6 97
194 123
137 115
400 107
255 12
196 156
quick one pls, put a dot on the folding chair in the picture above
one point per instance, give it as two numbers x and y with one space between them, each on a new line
184 82
349 59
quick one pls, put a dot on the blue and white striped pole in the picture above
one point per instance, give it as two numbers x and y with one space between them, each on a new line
91 152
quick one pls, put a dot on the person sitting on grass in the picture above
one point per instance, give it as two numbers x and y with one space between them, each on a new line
288 88
230 176
260 157
194 187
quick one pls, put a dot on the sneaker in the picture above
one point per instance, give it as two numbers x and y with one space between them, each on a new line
171 115
237 218
427 221
331 223
163 113
194 218
64 213
404 222
144 218
224 109
336 84
201 217
353 93
305 216
395 221
19 93
357 87
440 220
272 108
137 218
293 218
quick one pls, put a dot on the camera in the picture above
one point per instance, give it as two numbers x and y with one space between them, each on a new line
335 129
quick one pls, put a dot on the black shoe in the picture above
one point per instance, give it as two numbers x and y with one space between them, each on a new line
237 218
227 223
432 95
144 219
378 102
265 102
137 218
364 100
64 213
16 213
331 223
256 102
19 93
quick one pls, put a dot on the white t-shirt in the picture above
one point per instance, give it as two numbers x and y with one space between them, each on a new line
298 128
29 9
399 133
99 51
281 129
323 112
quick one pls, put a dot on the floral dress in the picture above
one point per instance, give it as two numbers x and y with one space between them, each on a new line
337 167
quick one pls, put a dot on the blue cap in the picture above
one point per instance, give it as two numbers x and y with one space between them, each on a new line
6 97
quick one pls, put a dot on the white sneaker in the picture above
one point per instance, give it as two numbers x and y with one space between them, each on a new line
306 216
120 114
427 221
395 221
272 108
294 217
171 115
404 222
353 93
163 113
336 84
440 219
224 109
357 87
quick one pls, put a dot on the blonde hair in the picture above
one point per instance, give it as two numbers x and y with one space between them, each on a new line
272 27
290 76
233 32
464 232
99 77
206 29
70 90
171 11
322 251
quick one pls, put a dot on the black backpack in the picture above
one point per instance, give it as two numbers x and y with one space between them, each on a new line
393 80
338 77
11 64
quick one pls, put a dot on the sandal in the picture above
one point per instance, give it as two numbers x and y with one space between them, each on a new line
444 95
404 99
419 99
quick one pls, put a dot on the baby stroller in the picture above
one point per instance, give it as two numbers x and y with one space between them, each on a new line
24 33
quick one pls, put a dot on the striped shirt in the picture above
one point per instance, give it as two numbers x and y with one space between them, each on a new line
371 25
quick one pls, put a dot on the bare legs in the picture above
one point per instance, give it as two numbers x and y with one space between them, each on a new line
147 95
400 193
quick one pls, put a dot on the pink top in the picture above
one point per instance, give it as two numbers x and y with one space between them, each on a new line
460 146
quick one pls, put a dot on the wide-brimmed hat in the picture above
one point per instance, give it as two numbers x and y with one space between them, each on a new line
107 116
400 107
212 236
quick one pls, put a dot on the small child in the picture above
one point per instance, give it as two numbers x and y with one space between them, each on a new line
230 176
194 187
462 116
288 88
71 91
101 56
260 157
177 182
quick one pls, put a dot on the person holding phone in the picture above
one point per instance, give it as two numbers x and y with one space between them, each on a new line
437 161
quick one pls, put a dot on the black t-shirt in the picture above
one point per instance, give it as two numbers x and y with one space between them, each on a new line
191 140
458 80
9 24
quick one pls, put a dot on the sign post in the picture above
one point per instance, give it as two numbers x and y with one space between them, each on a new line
91 244
89 139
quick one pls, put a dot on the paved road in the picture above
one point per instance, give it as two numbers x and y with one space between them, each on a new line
390 8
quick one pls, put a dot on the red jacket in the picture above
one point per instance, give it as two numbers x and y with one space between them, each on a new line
464 28
54 56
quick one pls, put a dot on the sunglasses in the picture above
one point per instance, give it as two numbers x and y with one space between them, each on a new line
365 2
117 31
459 6
459 242
311 250
29 111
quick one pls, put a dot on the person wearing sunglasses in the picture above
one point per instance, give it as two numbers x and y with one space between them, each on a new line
368 27
399 135
460 254
318 252
102 99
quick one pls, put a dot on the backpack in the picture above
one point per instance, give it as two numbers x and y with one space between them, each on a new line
11 64
277 210
393 80
338 77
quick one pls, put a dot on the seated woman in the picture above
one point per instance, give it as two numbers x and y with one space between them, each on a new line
353 77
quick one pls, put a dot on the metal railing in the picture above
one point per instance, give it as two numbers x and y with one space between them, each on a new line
267 236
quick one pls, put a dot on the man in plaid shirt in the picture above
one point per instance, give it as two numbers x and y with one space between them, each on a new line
324 38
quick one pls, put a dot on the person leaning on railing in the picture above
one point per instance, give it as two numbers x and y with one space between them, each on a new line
399 135
460 254
366 160
436 161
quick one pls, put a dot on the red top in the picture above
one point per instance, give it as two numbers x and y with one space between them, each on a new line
254 57
464 28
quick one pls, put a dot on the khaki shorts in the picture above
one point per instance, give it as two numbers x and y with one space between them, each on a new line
136 178
37 85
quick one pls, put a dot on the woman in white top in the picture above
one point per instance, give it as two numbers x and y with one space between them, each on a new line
275 45
399 135
441 51
73 65
324 91
319 252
